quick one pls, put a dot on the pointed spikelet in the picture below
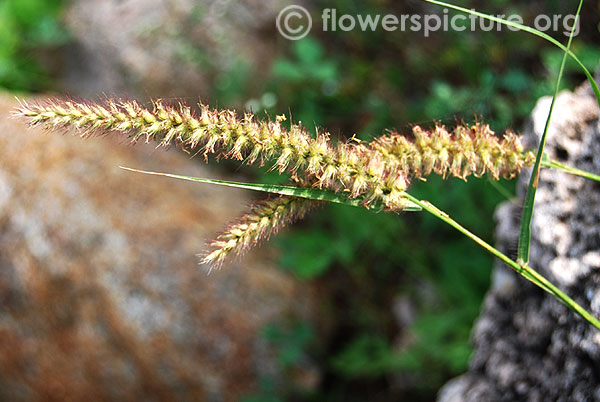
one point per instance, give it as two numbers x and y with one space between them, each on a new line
266 218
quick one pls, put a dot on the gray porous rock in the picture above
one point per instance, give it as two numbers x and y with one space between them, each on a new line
101 295
528 346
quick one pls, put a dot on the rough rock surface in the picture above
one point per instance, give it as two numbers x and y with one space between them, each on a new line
166 47
101 294
528 346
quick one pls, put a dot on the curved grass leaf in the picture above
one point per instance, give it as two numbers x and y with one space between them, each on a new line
316 194
525 234
532 31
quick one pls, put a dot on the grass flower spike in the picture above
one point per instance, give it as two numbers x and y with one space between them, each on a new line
344 167
466 151
265 219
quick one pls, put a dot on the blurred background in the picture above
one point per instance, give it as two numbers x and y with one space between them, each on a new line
383 303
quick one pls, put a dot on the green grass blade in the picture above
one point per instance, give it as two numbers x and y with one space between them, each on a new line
316 194
532 31
568 169
525 234
521 268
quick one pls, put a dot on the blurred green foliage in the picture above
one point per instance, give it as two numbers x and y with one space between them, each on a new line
289 341
26 28
309 80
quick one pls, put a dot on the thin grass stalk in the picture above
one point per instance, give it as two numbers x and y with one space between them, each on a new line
522 269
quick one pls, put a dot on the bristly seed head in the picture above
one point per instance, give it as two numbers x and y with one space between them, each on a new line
378 172
265 219
222 133
466 151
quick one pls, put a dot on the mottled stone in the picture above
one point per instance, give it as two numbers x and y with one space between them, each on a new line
528 346
101 292
167 48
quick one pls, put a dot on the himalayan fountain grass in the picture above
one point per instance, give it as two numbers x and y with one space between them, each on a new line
375 173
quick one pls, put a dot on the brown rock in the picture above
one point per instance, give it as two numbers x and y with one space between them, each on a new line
101 293
167 47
